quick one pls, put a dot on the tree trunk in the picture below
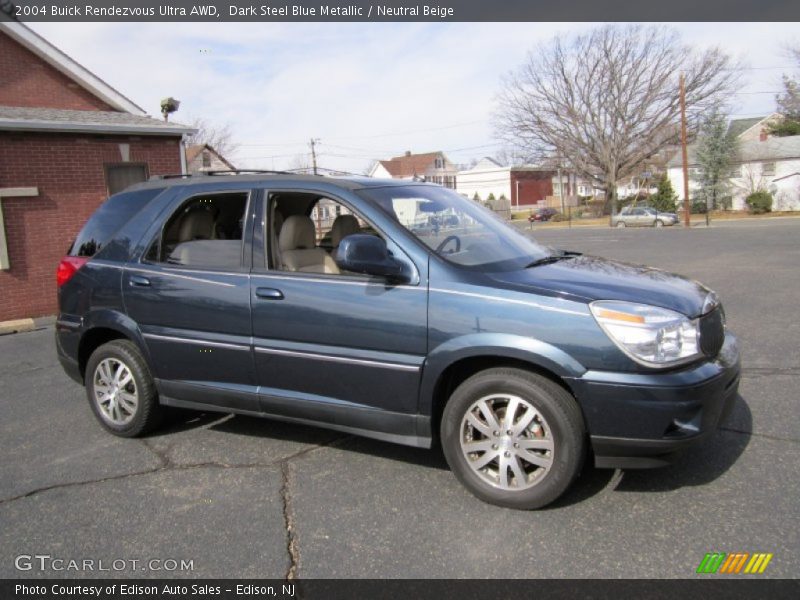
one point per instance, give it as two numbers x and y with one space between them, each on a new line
611 196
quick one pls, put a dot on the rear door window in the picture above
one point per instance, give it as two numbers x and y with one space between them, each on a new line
206 231
108 219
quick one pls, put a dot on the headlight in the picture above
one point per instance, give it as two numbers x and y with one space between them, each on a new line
652 336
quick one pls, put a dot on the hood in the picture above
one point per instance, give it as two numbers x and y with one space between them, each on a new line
591 278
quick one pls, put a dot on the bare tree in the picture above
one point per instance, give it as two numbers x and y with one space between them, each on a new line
300 163
788 102
603 102
509 156
219 137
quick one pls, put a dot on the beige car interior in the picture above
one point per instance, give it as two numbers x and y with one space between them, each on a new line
298 249
343 226
198 224
206 232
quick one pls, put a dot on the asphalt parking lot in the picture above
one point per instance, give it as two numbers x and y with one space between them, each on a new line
243 497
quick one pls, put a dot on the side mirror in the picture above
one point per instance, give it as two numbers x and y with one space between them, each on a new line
368 254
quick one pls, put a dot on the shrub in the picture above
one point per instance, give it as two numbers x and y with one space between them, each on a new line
558 217
698 207
759 202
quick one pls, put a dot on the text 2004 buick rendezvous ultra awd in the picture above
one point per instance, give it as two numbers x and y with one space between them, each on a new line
327 301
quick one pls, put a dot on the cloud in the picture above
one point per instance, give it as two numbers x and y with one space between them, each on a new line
365 90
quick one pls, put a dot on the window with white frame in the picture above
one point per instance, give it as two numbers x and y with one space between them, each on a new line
768 169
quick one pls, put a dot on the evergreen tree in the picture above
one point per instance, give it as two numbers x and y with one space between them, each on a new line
789 107
716 150
664 200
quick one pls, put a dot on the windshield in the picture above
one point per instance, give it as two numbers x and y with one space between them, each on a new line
456 228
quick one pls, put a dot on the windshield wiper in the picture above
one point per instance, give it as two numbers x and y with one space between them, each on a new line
546 260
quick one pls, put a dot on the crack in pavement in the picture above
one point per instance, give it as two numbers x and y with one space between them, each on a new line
287 477
167 465
292 544
763 435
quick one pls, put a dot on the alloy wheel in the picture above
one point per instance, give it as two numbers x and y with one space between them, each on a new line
507 442
115 392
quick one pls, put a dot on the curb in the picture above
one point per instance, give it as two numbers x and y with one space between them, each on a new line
22 325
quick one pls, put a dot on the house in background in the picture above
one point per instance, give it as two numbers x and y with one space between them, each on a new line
203 157
524 185
431 166
763 162
67 141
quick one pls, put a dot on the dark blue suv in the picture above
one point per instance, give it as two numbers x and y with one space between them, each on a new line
331 302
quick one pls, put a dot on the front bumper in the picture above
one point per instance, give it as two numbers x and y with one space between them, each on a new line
638 420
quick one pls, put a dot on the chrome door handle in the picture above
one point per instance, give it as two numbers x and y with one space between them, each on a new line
139 281
269 293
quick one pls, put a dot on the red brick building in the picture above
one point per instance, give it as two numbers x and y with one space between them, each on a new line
67 140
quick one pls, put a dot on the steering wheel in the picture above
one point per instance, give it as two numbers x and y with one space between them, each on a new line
445 241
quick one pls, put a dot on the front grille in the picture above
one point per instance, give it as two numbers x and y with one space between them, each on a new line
712 332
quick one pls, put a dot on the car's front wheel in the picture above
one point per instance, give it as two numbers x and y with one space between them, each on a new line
659 223
121 391
513 438
621 224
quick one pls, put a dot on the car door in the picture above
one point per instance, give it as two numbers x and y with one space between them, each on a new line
346 350
190 296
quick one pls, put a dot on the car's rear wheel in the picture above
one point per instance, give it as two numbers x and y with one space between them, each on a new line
513 438
621 224
121 390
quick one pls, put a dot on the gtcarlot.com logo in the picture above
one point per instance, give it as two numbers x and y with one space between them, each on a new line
734 563
47 562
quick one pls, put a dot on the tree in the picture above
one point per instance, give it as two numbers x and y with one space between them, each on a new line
606 100
664 200
508 157
788 104
300 163
219 137
715 151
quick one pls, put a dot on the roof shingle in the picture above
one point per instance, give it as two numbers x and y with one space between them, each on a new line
88 121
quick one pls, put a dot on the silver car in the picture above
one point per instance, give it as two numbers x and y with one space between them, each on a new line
639 216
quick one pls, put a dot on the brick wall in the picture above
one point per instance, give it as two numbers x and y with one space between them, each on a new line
69 172
533 186
29 81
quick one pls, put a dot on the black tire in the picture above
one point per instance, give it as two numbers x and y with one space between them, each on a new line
621 224
148 414
556 406
658 223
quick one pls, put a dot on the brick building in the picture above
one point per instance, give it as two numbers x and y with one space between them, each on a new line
521 185
67 140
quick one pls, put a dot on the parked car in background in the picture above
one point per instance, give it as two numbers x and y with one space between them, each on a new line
521 361
643 216
543 214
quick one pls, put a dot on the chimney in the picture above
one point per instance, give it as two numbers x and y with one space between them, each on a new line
408 152
762 137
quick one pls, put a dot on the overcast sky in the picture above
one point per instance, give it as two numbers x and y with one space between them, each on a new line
367 91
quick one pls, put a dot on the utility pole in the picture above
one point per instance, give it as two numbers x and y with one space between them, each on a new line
314 141
686 215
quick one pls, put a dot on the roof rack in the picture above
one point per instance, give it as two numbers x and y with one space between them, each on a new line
214 173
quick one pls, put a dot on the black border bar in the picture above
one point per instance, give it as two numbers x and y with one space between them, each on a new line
709 586
399 10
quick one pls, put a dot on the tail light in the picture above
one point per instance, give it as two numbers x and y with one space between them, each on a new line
68 266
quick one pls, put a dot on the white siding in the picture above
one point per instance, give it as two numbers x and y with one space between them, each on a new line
784 183
495 181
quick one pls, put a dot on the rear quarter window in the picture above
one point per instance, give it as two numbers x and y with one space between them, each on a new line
108 219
